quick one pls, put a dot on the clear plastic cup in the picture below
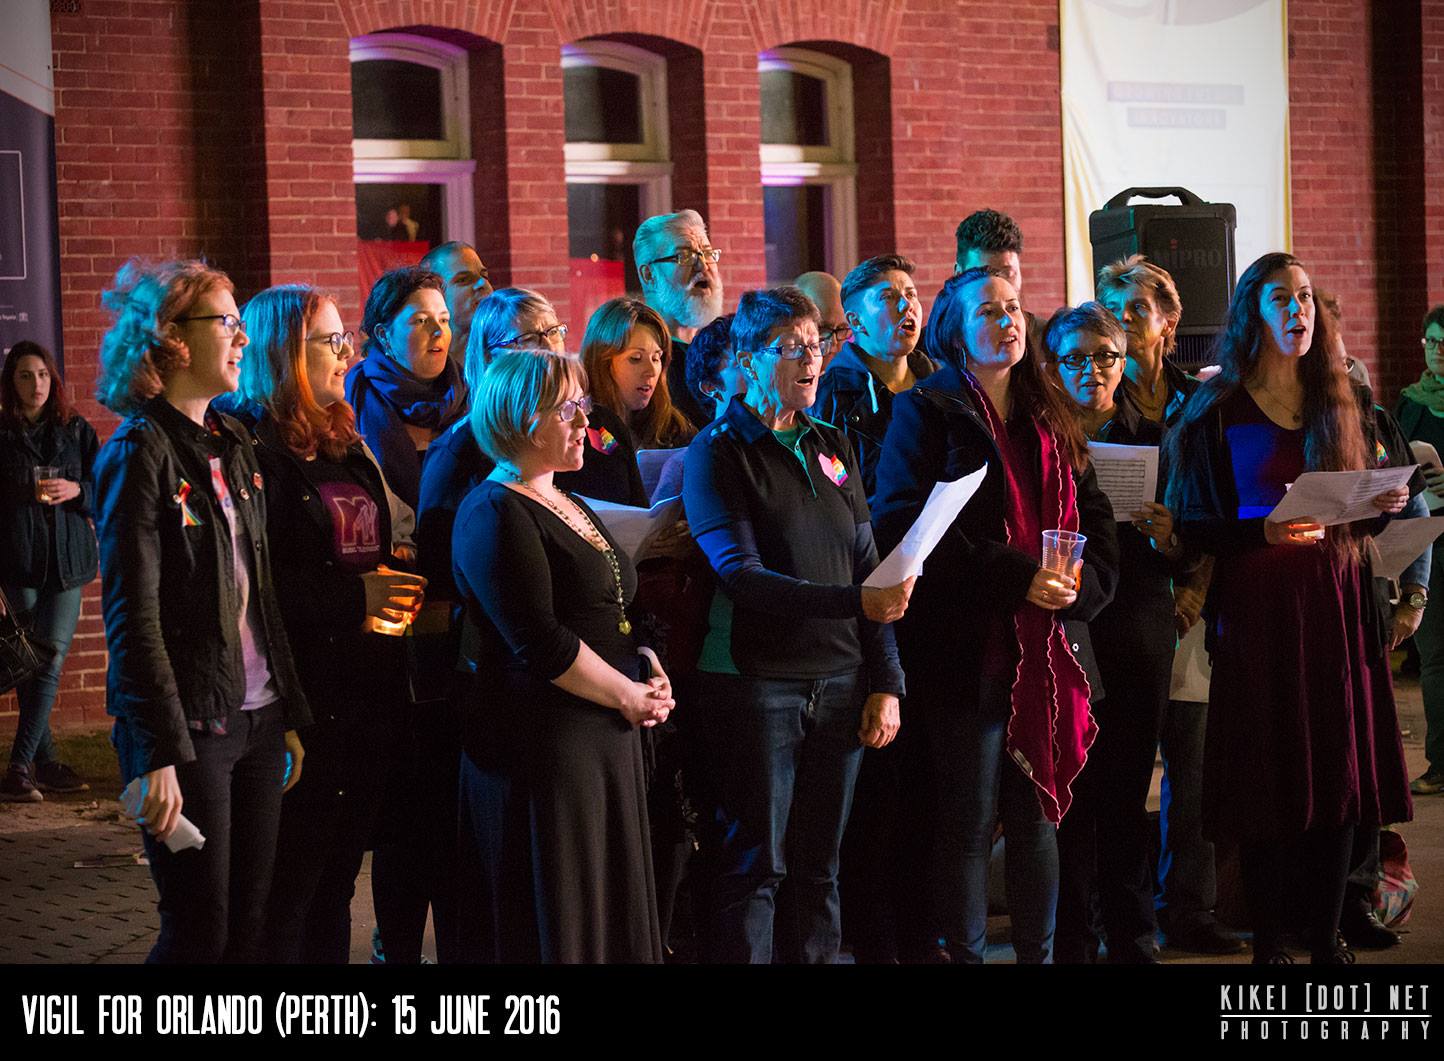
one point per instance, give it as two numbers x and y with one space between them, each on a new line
1062 549
44 473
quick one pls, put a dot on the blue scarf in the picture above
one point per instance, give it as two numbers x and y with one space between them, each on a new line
386 397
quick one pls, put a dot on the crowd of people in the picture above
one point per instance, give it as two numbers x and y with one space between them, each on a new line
368 598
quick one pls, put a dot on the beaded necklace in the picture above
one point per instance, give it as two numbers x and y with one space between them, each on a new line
591 536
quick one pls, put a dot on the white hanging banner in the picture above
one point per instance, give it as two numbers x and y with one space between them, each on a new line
1190 93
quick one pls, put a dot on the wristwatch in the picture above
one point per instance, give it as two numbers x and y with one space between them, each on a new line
1417 600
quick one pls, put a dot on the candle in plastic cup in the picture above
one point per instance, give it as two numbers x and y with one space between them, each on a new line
1062 549
42 473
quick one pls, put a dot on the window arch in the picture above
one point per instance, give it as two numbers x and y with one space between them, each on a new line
411 146
808 161
618 163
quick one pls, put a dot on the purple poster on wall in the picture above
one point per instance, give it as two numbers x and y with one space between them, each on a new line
29 229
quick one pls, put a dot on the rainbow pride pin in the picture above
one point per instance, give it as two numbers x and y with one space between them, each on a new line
602 439
188 518
832 468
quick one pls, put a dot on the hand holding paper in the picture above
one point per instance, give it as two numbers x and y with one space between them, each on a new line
1331 498
943 506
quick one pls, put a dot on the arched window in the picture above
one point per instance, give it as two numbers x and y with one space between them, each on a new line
412 148
809 168
618 163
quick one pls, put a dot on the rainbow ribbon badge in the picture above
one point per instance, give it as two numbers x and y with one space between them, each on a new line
188 518
833 468
602 439
1381 455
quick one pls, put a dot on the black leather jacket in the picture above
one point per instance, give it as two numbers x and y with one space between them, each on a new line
168 584
28 528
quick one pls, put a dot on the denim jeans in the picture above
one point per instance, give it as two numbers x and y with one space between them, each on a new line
213 901
52 613
976 783
1186 873
781 758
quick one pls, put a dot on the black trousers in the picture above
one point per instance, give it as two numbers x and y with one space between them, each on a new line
326 825
1103 841
212 901
1296 881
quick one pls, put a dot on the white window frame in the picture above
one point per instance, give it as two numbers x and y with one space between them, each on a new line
455 100
458 211
832 165
650 70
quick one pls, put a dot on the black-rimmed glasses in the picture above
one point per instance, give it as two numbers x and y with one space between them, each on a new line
688 258
543 336
1079 362
337 341
793 351
835 336
230 323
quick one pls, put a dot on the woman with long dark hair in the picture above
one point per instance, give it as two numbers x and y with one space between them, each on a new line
997 675
337 580
200 679
626 350
47 549
1303 742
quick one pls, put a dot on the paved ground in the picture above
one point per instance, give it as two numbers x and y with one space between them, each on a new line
73 888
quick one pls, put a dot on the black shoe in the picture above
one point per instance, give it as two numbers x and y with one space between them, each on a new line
19 785
1205 937
56 777
1429 783
1363 930
1272 956
1338 954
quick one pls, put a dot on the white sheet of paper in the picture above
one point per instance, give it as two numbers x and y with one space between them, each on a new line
1127 474
650 463
634 528
943 506
1338 497
1191 672
1401 543
1427 455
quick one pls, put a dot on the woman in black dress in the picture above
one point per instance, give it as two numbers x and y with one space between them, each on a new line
1303 741
552 787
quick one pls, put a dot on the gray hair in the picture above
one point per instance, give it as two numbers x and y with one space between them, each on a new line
655 234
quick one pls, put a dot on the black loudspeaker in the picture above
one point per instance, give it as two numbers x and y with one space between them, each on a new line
1192 240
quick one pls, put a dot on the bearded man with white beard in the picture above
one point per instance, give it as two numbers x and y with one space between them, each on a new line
677 265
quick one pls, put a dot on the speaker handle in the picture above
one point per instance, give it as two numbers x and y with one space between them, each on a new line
1121 199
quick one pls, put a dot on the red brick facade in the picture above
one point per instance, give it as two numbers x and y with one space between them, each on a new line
183 128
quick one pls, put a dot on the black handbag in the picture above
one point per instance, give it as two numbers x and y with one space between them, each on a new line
18 658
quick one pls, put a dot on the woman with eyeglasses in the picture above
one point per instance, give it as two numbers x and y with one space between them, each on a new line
201 679
999 664
798 671
47 549
1303 741
1420 413
553 787
405 390
338 581
1103 842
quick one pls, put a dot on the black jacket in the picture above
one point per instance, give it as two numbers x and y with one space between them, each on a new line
974 580
345 672
30 532
168 589
850 398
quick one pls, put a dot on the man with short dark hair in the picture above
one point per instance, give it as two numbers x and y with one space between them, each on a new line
677 266
467 283
881 359
993 240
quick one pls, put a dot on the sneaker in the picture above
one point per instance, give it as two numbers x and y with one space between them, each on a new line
56 777
19 786
1429 783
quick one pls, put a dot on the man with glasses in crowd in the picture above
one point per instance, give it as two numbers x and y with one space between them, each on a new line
826 294
677 266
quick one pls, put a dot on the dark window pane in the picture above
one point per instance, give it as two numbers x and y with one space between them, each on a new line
392 100
796 220
603 106
794 109
601 221
375 219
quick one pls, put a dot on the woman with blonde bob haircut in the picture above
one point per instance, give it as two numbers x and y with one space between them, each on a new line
552 778
626 350
200 680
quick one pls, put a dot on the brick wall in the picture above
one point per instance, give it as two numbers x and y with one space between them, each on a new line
212 128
